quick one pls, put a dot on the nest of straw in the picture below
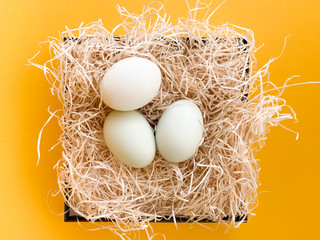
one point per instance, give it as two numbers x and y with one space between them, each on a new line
200 62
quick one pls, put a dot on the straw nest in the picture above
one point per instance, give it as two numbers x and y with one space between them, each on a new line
206 64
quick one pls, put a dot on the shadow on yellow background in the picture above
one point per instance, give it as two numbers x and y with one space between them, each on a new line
289 199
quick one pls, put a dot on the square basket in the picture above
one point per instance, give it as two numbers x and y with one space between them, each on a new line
71 216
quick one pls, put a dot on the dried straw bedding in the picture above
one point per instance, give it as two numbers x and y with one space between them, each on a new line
200 62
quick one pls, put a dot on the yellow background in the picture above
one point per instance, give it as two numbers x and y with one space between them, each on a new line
289 199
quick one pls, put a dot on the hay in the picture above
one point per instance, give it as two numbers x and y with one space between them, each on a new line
222 179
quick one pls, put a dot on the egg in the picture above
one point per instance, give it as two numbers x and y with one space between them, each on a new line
129 138
130 84
179 131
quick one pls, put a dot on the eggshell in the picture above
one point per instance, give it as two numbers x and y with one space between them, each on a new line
179 131
130 84
130 138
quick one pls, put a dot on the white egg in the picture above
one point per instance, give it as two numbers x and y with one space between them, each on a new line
130 84
179 131
130 138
